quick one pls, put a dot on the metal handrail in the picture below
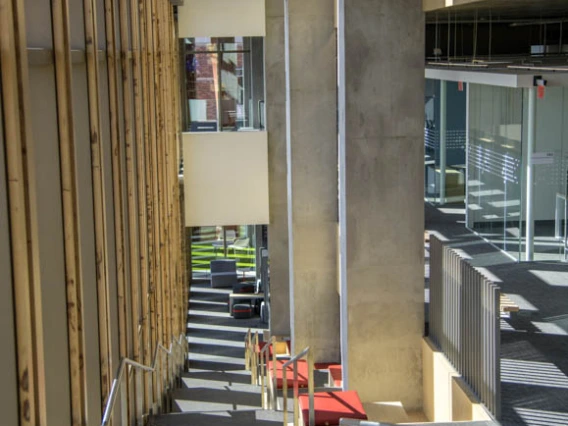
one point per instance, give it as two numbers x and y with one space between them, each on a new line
127 362
294 362
248 343
263 357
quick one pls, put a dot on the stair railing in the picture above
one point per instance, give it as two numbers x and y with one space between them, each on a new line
252 355
166 368
248 351
306 353
267 402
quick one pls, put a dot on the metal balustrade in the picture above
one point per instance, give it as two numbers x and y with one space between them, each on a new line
306 353
166 368
465 321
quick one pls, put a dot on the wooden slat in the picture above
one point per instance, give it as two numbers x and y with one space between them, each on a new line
130 176
69 194
116 146
148 69
17 193
138 79
23 212
91 44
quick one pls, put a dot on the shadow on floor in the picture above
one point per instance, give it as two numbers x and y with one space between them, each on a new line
534 342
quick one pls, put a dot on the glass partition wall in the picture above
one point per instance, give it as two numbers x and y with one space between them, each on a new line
498 156
495 149
224 84
550 164
444 141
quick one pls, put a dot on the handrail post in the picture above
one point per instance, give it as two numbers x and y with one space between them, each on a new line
139 395
124 399
262 379
274 375
296 393
247 350
254 359
285 394
312 414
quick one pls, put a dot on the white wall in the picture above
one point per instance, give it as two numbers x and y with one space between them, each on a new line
225 178
222 18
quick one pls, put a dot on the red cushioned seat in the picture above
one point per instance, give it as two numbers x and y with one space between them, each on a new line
329 407
302 374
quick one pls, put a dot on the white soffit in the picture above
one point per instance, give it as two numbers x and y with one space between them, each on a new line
225 178
222 18
507 78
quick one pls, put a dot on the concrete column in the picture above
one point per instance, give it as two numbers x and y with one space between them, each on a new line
312 176
381 98
276 127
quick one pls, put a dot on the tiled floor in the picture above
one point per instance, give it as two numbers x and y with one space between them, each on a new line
534 348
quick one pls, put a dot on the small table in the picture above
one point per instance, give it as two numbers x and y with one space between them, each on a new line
235 298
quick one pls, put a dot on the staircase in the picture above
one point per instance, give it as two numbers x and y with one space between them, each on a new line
217 389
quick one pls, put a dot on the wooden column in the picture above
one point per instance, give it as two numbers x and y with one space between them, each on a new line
97 169
74 285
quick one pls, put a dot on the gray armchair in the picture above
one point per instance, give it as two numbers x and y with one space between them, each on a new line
223 273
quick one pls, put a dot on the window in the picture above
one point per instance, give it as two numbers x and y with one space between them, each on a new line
224 83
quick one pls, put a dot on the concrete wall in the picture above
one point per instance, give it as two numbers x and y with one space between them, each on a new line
446 397
278 197
381 196
226 178
221 18
312 173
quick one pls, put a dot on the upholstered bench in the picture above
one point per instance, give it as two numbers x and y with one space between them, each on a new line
302 374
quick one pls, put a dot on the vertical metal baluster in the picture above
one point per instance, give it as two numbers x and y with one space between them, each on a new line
296 392
312 415
285 395
124 398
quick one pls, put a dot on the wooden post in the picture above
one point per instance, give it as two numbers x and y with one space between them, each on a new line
141 134
15 81
117 171
69 194
97 164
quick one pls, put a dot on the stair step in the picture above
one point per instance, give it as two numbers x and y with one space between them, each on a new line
389 412
329 407
219 418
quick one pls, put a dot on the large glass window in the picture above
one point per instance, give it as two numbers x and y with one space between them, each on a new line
224 82
238 242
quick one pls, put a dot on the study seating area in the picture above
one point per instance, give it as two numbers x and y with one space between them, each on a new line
246 299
